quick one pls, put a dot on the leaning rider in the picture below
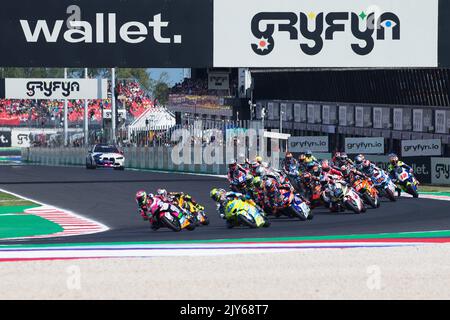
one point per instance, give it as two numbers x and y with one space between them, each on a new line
222 198
149 206
395 163
309 158
234 170
289 164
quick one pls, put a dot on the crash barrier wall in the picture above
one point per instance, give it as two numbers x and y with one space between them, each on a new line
152 158
428 170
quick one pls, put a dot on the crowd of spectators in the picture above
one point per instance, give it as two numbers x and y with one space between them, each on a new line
44 112
135 99
189 86
199 87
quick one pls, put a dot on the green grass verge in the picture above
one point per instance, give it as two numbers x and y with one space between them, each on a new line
434 188
7 200
13 226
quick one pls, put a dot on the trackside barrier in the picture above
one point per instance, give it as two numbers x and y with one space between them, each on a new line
151 158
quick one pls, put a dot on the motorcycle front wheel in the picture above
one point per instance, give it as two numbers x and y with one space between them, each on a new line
298 213
246 222
412 191
173 225
369 200
351 206
390 195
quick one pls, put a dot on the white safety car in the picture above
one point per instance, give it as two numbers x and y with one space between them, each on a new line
105 156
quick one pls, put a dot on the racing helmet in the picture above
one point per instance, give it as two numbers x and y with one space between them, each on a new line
302 157
344 156
359 159
232 164
141 197
308 153
393 158
259 159
325 166
257 182
366 164
161 192
288 156
216 194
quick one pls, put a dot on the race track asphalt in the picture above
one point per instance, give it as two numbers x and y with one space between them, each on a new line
108 197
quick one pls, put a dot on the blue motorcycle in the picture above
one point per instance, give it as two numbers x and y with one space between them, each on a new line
384 184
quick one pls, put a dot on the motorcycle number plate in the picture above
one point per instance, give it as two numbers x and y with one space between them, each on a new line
404 176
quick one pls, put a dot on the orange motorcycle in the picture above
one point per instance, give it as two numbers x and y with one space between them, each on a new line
367 192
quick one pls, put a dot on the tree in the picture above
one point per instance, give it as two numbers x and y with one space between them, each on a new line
161 88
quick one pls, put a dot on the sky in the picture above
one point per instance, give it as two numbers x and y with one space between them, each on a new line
175 75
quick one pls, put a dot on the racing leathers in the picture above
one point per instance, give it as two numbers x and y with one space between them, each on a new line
392 168
229 196
150 210
234 173
273 195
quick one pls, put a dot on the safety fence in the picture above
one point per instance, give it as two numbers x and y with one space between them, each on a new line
150 158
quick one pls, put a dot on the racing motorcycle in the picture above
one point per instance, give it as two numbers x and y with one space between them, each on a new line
293 206
244 213
195 209
172 217
293 176
344 197
383 183
366 191
315 194
406 181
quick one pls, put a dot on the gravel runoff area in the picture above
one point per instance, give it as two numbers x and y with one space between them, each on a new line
379 273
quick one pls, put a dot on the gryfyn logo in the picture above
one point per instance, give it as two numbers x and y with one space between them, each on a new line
79 31
312 27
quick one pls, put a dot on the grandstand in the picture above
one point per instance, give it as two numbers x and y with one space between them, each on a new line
49 113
